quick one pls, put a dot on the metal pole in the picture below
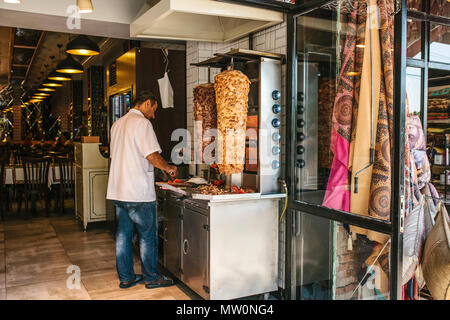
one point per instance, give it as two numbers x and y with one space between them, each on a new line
291 72
398 154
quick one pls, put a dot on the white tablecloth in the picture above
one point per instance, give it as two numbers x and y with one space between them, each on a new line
16 174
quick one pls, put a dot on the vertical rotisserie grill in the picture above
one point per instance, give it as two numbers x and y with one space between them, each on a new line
232 88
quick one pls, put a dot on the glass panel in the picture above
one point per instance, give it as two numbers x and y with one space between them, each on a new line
344 111
414 38
413 89
439 43
438 130
414 5
340 262
440 8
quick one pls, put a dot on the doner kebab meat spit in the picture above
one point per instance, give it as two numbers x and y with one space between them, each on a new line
205 111
232 88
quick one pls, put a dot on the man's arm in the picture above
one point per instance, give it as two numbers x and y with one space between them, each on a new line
157 161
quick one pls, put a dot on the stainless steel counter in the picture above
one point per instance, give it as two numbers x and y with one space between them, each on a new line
221 249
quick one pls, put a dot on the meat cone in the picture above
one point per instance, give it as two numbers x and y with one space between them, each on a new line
232 88
205 111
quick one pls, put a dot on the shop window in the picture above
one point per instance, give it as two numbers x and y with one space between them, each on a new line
413 89
415 5
340 262
414 38
438 131
440 8
439 43
344 122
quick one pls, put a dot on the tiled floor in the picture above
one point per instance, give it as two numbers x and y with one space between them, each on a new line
35 255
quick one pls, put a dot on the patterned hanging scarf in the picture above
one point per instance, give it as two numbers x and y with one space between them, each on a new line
380 192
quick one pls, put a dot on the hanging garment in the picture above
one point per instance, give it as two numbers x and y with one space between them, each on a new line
166 92
413 240
436 260
376 95
366 120
417 144
337 195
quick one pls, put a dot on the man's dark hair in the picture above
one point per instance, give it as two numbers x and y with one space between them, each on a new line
144 96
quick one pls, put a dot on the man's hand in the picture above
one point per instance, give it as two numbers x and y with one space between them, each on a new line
172 171
157 161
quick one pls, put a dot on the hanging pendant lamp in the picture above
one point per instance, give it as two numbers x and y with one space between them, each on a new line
58 76
85 6
69 65
82 46
46 89
52 83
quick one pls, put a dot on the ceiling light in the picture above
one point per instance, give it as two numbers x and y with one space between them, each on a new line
42 94
52 83
46 89
12 1
59 76
360 46
69 65
85 6
82 46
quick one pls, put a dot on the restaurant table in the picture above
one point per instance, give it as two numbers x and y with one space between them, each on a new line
15 175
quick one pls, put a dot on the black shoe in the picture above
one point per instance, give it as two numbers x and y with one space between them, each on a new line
128 284
163 281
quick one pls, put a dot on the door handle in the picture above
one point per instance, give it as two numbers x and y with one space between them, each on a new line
185 246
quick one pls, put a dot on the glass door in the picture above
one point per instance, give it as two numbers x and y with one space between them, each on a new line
341 154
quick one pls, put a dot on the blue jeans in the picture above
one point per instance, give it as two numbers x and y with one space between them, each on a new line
143 214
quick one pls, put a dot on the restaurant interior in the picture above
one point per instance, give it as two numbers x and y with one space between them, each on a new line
266 228
61 90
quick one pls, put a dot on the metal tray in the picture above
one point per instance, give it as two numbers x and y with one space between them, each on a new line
225 197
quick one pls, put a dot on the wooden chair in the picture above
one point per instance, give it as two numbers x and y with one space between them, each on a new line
36 181
66 186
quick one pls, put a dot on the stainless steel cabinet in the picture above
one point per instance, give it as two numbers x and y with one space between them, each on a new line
172 233
195 252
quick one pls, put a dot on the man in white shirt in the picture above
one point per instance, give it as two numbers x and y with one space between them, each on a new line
135 152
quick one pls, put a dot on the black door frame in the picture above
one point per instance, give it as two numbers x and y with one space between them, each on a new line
394 227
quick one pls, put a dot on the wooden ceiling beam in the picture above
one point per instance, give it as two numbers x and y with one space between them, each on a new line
18 46
41 38
11 47
16 65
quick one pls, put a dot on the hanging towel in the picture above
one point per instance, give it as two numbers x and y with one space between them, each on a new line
166 92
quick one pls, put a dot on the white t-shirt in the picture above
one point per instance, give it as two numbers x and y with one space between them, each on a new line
131 176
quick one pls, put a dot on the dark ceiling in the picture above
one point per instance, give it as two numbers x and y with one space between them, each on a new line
27 57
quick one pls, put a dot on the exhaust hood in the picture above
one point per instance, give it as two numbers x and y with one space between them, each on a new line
201 20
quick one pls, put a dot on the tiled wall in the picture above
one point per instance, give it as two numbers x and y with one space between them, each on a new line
273 39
